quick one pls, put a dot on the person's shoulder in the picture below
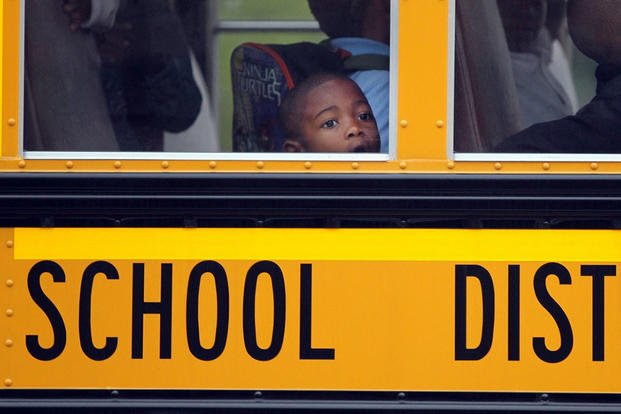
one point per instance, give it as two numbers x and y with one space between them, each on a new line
373 82
360 45
558 136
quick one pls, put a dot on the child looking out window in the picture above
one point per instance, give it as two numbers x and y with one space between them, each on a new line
328 113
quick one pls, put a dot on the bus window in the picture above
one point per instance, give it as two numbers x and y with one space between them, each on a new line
523 78
181 76
106 78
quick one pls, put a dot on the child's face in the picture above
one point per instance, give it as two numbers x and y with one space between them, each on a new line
337 118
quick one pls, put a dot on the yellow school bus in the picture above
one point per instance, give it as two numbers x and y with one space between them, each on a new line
440 275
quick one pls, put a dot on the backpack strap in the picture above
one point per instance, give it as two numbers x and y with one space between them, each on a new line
367 62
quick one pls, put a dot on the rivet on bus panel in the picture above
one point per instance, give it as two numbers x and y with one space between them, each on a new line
355 165
9 243
594 166
117 164
12 122
165 164
8 382
9 283
21 164
8 343
9 312
450 165
403 123
440 123
546 166
260 164
213 164
497 166
403 165
69 164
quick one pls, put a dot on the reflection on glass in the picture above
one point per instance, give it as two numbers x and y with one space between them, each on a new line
114 75
523 84
103 76
263 10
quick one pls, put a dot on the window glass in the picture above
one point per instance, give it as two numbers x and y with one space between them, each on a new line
206 76
263 10
525 68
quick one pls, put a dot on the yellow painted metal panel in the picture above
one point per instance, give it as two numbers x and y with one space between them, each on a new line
387 304
315 244
423 77
2 39
9 90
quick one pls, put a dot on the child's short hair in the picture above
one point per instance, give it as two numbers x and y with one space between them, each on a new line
292 107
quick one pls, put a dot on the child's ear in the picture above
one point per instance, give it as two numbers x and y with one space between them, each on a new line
292 145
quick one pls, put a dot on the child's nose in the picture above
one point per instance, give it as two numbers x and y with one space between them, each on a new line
354 130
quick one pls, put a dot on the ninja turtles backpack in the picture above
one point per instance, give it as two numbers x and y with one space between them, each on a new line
261 76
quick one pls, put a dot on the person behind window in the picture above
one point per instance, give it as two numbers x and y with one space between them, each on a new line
328 113
562 49
361 27
64 104
146 72
541 95
595 27
97 15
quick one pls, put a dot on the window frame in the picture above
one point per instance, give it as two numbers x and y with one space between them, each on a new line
216 27
421 122
531 158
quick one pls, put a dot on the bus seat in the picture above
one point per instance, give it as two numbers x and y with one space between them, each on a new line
486 102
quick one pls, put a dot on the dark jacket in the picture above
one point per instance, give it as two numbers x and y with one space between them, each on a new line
596 128
148 81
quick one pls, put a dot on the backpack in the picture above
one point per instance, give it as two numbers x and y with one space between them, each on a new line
262 75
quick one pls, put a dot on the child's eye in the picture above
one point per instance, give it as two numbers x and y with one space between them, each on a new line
365 116
329 124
